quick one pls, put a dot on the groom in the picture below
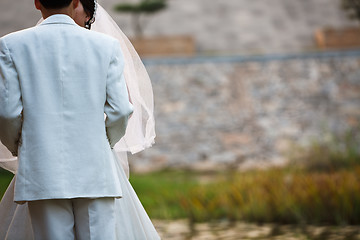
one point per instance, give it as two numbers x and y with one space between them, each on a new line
56 82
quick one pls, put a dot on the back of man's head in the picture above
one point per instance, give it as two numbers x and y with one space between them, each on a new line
55 4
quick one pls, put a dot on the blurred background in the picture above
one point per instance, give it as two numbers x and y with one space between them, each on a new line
257 108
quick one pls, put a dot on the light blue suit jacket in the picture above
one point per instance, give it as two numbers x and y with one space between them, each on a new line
56 82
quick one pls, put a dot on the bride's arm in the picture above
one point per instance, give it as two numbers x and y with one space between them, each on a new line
117 106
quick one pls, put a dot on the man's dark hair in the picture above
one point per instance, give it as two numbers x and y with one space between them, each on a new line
55 4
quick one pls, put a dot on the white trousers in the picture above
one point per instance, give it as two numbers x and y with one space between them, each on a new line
69 219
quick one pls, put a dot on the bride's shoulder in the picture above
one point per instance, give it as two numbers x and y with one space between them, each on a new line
100 35
101 38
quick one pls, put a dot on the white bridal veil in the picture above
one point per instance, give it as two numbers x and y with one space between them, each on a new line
140 132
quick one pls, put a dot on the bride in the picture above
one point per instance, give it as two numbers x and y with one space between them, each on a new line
132 222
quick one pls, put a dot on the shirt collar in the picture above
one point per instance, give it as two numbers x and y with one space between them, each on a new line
58 19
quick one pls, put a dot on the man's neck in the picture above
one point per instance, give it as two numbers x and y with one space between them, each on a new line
48 12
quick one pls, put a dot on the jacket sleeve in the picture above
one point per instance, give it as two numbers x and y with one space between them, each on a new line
117 105
10 101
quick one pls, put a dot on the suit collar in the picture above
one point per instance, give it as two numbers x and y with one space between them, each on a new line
58 19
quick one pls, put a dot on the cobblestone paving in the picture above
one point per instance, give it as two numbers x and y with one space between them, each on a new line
181 230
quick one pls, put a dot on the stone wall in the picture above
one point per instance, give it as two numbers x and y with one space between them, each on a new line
216 112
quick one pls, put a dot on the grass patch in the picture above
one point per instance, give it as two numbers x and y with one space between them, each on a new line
5 179
276 195
160 192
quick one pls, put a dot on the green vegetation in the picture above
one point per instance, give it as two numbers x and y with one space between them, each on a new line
160 192
141 8
320 186
5 179
276 195
352 7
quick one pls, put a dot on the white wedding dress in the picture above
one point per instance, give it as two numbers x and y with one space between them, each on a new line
132 221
